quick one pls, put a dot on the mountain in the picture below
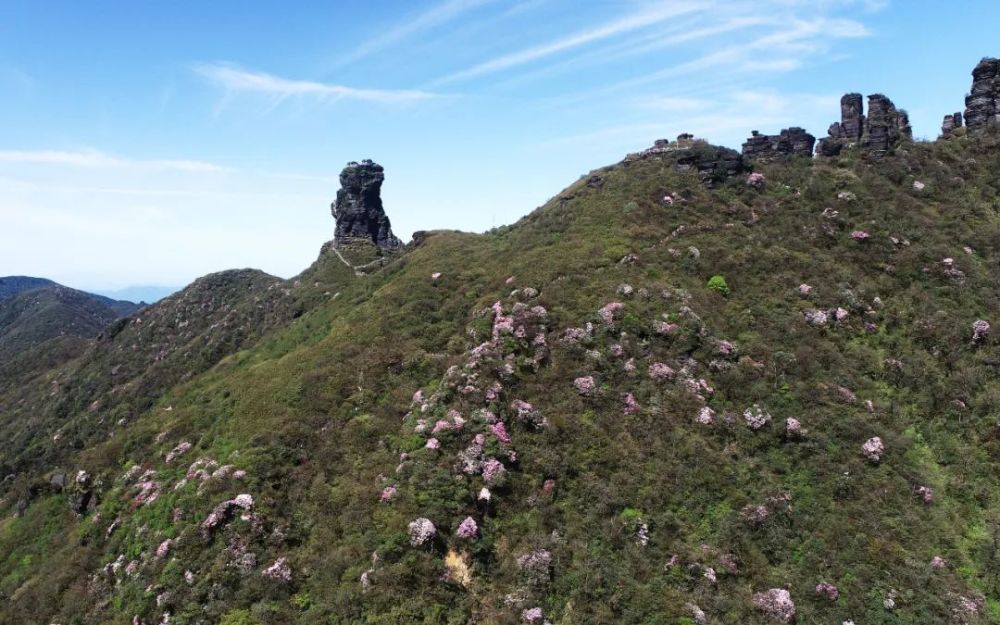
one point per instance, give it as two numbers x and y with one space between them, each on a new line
12 285
696 386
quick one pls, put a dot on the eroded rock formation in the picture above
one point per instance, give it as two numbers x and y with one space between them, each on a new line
358 208
982 106
712 163
883 129
789 142
950 124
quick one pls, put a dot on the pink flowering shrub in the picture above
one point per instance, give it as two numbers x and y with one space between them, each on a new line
793 426
926 494
660 372
754 514
816 317
421 531
827 591
433 443
280 571
532 615
181 447
725 348
860 235
706 416
756 180
918 186
440 425
164 548
388 494
756 418
662 327
493 471
776 603
840 314
500 432
631 405
467 528
938 562
585 385
873 449
535 565
980 330
804 289
607 312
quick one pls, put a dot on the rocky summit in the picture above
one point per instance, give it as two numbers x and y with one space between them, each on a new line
982 105
789 142
882 130
358 207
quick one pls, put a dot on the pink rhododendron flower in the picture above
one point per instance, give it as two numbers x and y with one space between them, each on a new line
754 514
484 494
860 235
926 494
662 327
726 348
660 372
631 405
827 591
873 449
584 385
533 615
629 366
181 447
792 425
607 312
980 330
755 417
467 528
938 562
421 531
706 416
500 432
493 470
756 180
388 494
433 443
776 603
816 317
279 571
440 425
840 314
804 289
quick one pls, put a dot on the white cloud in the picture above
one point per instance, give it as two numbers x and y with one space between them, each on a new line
235 79
95 158
433 17
636 21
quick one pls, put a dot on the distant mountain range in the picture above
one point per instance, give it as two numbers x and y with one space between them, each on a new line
37 314
142 293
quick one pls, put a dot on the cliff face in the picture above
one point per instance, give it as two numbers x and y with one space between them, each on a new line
358 208
789 142
982 105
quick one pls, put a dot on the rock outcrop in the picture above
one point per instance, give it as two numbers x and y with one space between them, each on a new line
789 142
950 124
982 106
358 208
712 163
883 129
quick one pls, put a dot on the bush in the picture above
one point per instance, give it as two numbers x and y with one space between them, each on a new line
718 284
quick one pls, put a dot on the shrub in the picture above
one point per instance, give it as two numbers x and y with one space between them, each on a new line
718 284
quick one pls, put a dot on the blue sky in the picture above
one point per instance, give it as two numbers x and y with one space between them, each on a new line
153 142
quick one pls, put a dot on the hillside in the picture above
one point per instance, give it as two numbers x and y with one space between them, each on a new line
693 387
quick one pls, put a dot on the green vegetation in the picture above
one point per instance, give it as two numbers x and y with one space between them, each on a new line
607 512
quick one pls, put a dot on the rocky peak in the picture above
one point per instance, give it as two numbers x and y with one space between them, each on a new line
951 123
789 142
712 163
982 106
358 208
883 129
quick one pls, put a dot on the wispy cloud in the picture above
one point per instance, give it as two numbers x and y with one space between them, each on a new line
431 18
95 158
642 19
234 79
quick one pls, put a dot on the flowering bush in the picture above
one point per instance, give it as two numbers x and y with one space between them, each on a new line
756 180
535 565
918 186
840 314
756 418
873 449
484 494
585 385
660 372
493 470
421 531
435 275
860 235
607 312
280 571
662 327
388 494
754 514
433 443
631 405
467 528
792 426
980 330
804 289
181 447
827 591
816 317
925 493
776 603
164 548
500 432
706 416
725 348
938 562
532 615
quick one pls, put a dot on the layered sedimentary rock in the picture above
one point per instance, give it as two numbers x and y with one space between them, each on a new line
982 105
712 163
950 124
789 142
358 208
883 129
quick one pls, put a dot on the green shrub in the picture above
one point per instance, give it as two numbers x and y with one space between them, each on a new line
718 284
